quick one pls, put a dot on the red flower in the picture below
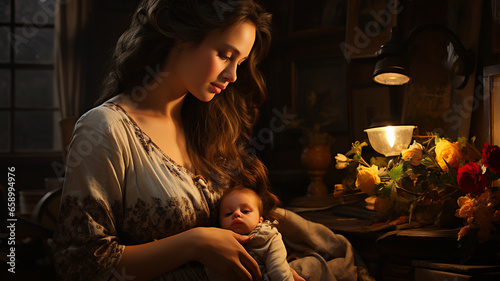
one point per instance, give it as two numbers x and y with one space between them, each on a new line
491 157
471 179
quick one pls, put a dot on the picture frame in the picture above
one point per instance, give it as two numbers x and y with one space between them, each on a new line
305 16
319 93
491 104
368 26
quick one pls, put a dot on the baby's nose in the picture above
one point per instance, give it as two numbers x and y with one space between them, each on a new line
236 214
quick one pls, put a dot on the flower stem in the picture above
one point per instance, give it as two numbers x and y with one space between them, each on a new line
448 195
362 161
409 192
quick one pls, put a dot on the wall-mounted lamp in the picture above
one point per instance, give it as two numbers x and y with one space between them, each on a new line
392 58
390 140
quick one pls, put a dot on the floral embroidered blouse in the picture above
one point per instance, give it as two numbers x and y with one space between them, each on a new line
121 189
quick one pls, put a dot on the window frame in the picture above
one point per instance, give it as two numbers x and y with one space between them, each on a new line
12 66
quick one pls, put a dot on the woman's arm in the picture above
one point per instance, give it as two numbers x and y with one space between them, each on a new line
218 249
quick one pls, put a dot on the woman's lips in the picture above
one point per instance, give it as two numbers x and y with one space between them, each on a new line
217 88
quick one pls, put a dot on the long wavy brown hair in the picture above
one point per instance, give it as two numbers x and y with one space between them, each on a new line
218 131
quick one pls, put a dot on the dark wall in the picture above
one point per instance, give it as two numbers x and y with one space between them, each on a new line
301 35
108 22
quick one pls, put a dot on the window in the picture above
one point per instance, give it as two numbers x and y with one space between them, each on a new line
29 111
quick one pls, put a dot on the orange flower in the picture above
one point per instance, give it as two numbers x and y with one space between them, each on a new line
367 179
449 152
463 231
413 153
466 207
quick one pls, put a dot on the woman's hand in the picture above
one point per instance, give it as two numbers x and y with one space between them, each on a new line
222 251
296 276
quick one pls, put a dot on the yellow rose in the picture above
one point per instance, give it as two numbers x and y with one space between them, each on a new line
449 152
367 178
413 153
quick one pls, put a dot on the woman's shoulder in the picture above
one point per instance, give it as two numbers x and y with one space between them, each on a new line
101 116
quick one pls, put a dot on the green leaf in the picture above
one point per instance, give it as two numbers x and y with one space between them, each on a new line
385 189
462 141
396 173
422 184
427 162
452 174
419 170
413 205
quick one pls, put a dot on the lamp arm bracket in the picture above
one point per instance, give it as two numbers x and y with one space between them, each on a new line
467 56
432 26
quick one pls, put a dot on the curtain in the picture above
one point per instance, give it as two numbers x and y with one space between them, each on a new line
70 29
70 25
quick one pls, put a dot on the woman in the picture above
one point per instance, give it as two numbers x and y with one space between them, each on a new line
147 166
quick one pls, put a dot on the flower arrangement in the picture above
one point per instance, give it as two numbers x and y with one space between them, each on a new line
415 187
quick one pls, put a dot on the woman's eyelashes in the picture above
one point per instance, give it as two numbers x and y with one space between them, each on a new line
229 57
224 56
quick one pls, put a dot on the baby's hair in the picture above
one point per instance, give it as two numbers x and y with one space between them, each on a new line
242 189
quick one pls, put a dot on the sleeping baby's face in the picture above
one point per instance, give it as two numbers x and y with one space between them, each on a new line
239 212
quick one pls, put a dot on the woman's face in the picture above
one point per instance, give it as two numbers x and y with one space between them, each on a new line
206 70
239 212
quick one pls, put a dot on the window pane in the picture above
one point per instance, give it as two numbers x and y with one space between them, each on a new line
34 45
36 131
38 12
4 88
4 10
4 131
34 88
4 44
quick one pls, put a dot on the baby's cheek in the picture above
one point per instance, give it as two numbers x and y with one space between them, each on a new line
224 223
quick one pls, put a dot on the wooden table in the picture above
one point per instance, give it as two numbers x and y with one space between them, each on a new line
406 254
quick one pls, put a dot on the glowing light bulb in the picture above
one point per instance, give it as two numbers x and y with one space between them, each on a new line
389 130
390 140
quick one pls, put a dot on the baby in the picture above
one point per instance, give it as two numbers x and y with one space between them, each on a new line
241 210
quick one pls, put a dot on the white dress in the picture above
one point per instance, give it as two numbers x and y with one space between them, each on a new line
121 189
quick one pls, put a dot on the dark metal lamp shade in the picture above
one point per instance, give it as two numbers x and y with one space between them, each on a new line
392 62
391 67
